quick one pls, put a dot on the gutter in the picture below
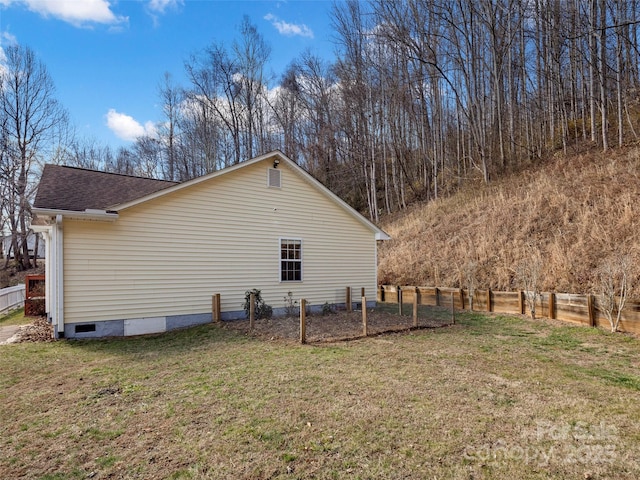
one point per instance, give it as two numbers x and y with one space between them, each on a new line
88 214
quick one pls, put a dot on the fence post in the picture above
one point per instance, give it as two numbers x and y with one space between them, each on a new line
591 308
552 305
415 307
364 315
303 316
488 299
462 299
252 310
399 290
437 290
215 308
453 311
380 294
521 302
348 298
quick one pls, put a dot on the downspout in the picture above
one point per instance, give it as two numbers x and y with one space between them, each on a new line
59 283
47 272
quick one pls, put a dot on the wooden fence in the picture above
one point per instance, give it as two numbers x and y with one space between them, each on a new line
11 298
569 307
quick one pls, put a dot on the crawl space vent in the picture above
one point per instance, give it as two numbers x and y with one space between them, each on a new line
273 178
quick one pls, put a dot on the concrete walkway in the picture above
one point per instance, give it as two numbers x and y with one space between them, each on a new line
7 332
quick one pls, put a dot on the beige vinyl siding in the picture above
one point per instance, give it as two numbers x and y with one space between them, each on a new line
168 256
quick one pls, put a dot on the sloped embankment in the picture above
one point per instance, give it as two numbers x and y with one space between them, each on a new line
576 211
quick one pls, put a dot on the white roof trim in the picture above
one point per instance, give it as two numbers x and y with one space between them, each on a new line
88 214
380 235
41 228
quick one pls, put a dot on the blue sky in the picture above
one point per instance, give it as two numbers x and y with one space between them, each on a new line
107 57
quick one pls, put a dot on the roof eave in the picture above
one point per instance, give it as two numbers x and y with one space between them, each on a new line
87 214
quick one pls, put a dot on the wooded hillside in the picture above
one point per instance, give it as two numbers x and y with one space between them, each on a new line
424 98
577 214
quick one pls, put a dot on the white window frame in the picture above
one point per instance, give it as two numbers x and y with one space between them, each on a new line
280 259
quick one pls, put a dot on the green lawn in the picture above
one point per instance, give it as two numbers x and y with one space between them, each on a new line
15 317
491 397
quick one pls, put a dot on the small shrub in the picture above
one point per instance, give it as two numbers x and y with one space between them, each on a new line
615 277
290 305
528 273
328 309
262 310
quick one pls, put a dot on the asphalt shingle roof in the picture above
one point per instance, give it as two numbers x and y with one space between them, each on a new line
77 189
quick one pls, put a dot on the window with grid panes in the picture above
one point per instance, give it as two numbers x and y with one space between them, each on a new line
290 260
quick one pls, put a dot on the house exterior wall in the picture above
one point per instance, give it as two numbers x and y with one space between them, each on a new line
165 258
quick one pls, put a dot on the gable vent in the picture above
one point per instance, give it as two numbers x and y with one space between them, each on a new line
273 178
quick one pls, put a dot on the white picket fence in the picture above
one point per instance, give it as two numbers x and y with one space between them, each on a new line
11 298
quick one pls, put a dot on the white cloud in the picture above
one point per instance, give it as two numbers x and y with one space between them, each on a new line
128 128
76 12
289 29
8 38
159 6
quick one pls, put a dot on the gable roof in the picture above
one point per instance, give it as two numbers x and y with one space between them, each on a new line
79 189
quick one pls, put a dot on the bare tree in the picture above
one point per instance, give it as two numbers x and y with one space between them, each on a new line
251 53
31 119
614 280
470 274
171 98
528 275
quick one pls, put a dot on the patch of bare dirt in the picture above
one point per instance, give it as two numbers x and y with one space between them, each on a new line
337 326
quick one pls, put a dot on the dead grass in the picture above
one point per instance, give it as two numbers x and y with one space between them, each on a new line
577 211
492 397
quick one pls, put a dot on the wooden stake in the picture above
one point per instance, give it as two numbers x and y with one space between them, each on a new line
488 299
462 299
453 311
303 315
552 305
215 308
592 312
415 308
364 316
521 302
348 299
437 296
399 300
252 310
